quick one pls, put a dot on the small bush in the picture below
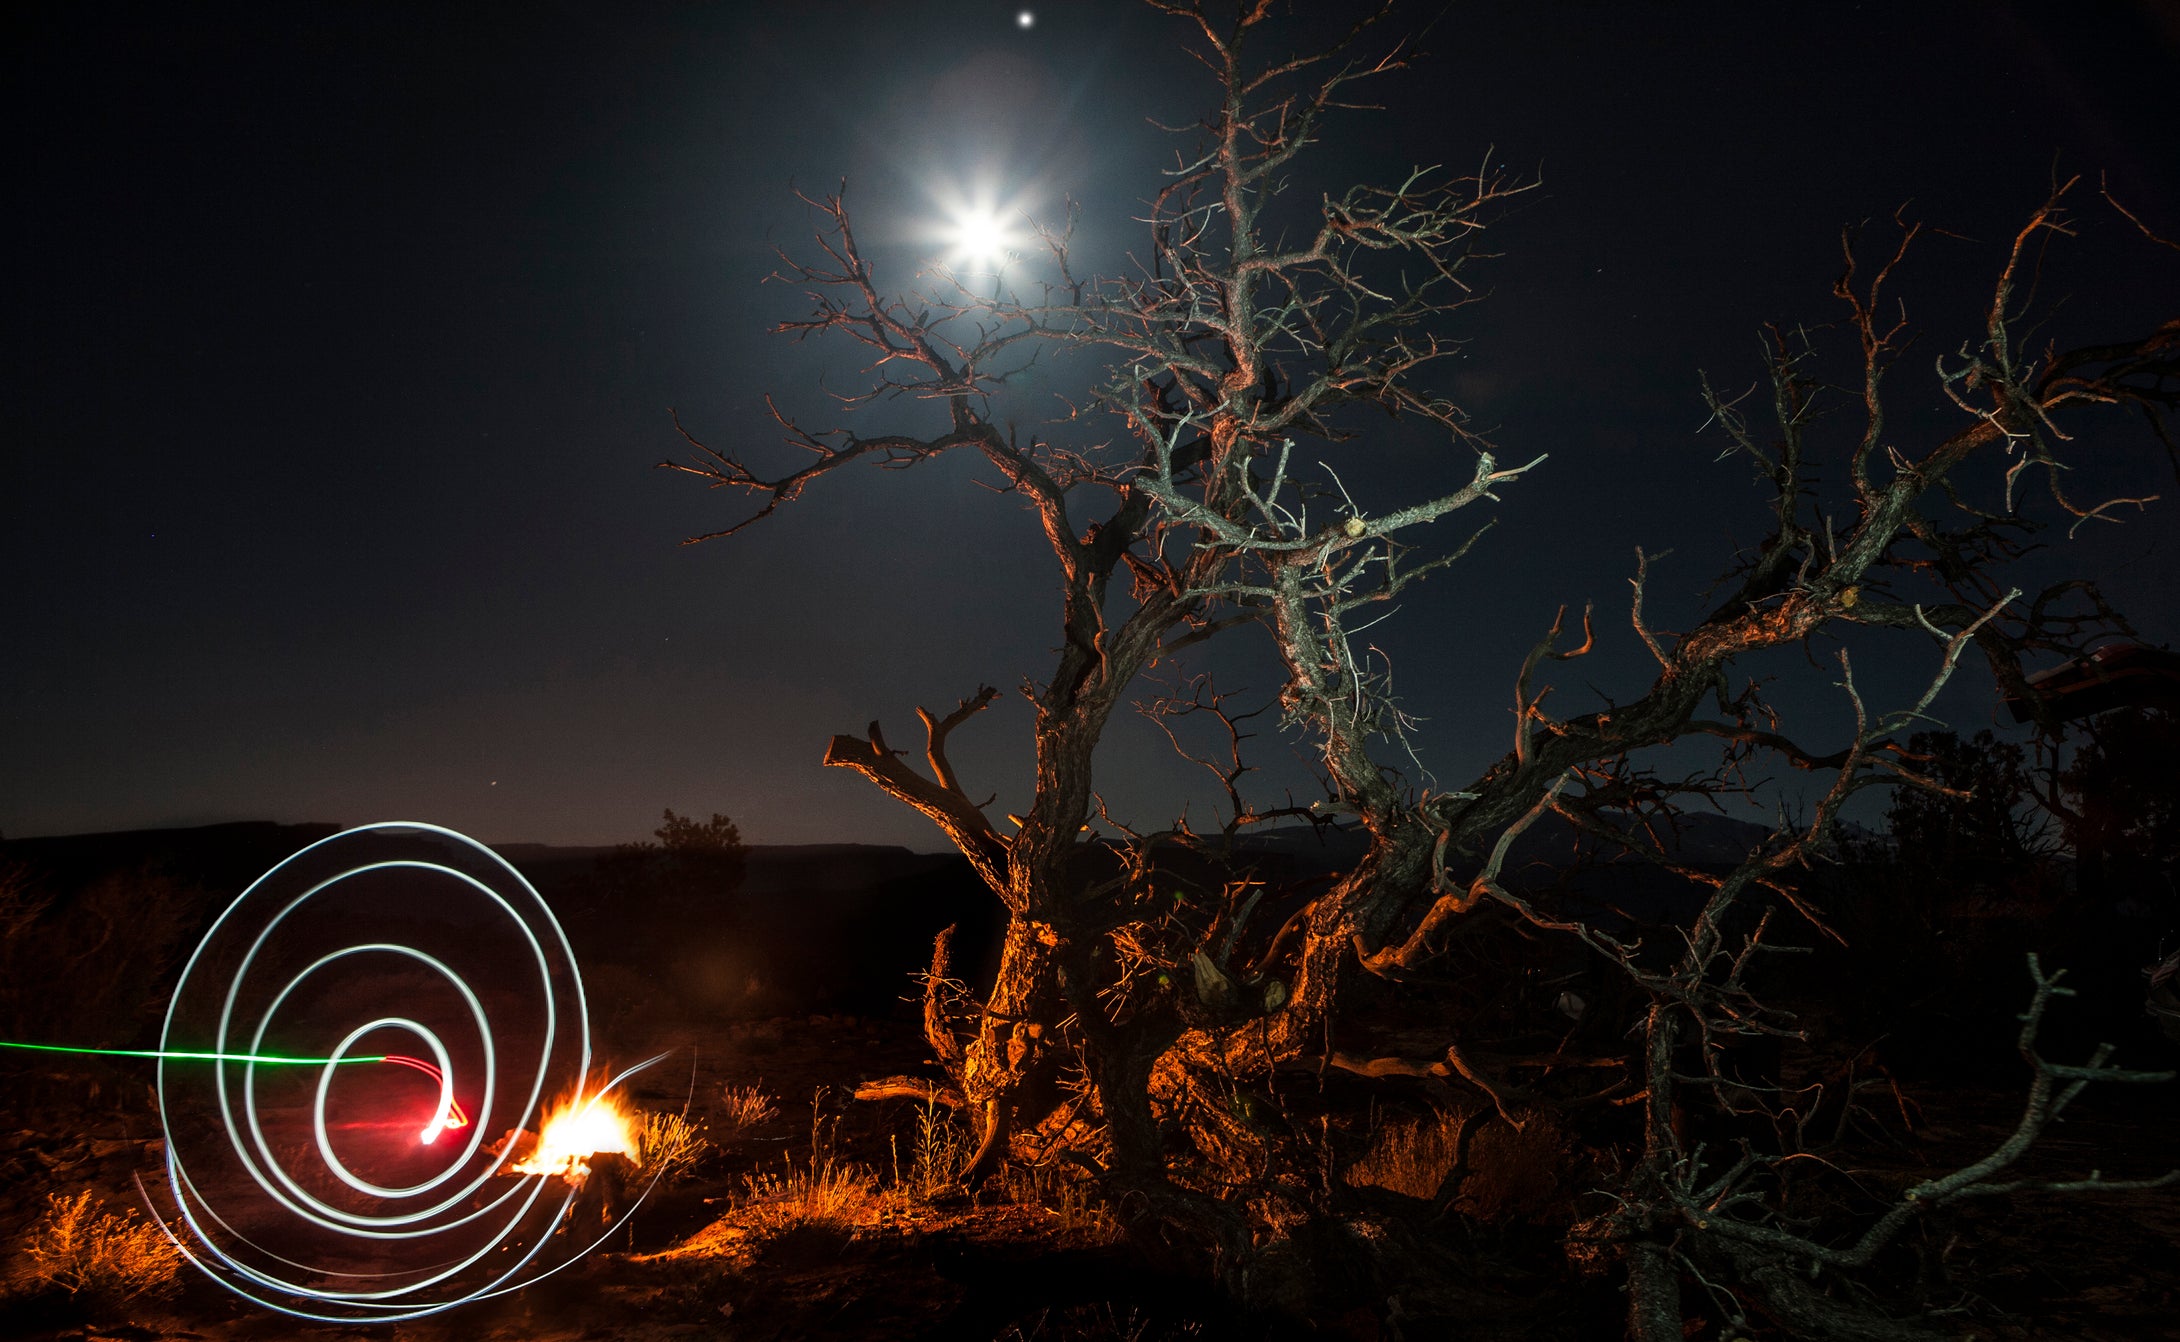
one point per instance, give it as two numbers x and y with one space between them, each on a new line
103 1259
670 1146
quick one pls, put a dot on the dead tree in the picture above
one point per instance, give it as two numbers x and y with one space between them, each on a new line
1119 1014
1714 1214
1229 343
1917 544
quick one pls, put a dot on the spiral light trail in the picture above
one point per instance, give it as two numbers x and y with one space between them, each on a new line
467 981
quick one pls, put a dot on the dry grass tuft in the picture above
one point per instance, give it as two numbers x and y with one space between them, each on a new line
824 1197
831 1197
1069 1194
944 1147
670 1147
105 1260
826 1205
744 1107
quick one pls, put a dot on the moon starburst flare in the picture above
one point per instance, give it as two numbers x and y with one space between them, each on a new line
980 231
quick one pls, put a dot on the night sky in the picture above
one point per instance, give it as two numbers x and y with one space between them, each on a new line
341 341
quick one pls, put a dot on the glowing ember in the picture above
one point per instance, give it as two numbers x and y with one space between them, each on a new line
575 1132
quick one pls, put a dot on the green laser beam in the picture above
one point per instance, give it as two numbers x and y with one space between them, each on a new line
191 1057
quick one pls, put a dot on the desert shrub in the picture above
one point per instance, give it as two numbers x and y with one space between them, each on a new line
1517 1174
670 1146
691 861
1934 917
1986 832
742 1107
2120 806
104 1259
1411 1157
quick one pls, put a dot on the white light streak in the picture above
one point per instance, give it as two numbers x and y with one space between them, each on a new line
376 1251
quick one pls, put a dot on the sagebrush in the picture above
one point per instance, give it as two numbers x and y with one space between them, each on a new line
106 1259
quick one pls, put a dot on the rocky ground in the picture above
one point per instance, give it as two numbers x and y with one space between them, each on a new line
1022 1261
1029 1262
710 1255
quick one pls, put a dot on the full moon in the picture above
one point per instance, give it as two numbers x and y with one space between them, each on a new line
980 237
1025 19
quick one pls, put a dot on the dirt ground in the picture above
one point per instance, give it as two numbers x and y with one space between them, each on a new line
1031 1260
1030 1267
1011 1264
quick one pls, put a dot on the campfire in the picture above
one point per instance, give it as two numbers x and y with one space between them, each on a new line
576 1131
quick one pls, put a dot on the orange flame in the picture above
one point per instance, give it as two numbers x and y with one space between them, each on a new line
575 1132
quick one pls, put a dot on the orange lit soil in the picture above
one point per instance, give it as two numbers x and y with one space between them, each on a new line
2099 1272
